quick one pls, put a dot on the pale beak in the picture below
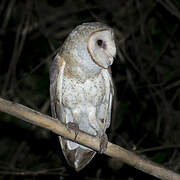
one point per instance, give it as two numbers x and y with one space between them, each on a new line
110 58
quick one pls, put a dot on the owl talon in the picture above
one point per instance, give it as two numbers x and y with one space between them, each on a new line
74 126
103 143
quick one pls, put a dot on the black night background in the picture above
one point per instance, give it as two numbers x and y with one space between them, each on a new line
146 75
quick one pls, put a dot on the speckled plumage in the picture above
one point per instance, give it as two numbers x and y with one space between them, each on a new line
81 87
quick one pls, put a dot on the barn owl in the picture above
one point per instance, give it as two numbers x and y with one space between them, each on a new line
81 87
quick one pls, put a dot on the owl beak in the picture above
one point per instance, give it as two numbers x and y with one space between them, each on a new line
111 59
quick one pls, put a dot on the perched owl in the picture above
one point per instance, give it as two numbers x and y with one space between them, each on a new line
81 87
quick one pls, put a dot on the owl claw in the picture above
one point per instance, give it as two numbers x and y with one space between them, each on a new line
103 143
74 126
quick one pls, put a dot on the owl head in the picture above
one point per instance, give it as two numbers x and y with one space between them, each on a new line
93 43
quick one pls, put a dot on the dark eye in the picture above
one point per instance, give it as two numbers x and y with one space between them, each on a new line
99 42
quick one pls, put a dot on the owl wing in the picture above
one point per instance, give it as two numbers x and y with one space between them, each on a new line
56 78
78 158
108 97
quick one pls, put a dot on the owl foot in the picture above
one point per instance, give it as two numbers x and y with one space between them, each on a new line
103 143
74 126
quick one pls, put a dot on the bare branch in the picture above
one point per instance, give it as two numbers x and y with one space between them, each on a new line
172 8
112 150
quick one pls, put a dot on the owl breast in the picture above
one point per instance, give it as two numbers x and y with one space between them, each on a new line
75 92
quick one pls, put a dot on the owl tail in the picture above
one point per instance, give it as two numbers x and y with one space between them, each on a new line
79 157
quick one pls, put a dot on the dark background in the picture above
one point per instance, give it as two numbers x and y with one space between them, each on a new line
147 116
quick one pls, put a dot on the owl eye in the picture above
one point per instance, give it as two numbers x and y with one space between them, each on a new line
101 43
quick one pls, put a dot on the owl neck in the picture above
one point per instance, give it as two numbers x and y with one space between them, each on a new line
81 66
81 72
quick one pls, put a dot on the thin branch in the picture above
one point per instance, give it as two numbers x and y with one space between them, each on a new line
92 142
158 148
173 9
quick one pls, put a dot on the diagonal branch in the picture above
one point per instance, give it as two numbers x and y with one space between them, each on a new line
112 150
